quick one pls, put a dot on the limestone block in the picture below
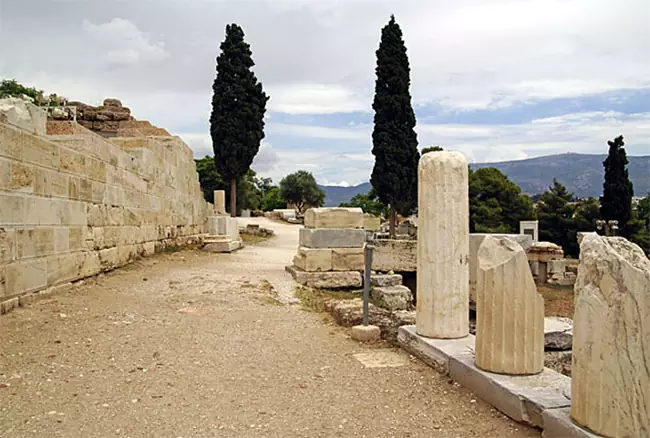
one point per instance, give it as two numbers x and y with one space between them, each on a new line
348 259
22 177
220 202
610 391
443 246
34 242
365 333
50 183
556 266
37 150
7 245
5 174
7 306
13 209
558 333
76 238
43 211
392 297
72 213
326 280
385 280
108 258
394 255
312 260
224 244
509 311
334 217
544 252
371 222
332 238
475 241
64 267
26 276
149 249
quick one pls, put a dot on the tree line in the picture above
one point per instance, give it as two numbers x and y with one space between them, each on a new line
496 204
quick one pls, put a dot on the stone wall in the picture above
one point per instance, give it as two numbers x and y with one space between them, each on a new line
74 205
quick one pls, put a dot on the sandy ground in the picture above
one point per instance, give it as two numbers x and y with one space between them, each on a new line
191 344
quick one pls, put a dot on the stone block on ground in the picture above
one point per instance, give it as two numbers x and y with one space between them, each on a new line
434 352
611 338
385 280
326 280
509 310
223 226
220 244
332 238
313 260
558 424
334 217
393 297
348 259
366 333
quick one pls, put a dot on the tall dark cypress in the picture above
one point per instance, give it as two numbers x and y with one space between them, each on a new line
238 108
395 144
616 202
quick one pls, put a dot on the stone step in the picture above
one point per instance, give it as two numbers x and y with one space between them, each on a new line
385 280
393 297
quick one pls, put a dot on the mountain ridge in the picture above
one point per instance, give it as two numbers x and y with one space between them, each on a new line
582 174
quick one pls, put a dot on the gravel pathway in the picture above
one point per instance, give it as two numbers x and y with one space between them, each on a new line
191 344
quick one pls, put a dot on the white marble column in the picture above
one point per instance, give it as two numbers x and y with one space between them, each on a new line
509 311
610 376
443 246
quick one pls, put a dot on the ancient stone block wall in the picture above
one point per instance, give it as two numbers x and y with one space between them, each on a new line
74 205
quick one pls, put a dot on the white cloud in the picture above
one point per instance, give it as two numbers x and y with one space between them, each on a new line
316 99
125 43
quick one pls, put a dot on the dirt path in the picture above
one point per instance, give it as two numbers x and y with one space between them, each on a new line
191 344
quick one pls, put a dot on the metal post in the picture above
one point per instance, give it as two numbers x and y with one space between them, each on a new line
366 281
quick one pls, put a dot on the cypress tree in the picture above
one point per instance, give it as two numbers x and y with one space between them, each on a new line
238 108
395 146
616 202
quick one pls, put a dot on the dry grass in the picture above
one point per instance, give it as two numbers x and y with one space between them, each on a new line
313 300
558 300
252 239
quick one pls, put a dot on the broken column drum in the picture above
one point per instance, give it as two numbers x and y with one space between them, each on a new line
509 310
443 246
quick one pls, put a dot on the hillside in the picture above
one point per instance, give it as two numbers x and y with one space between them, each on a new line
582 174
334 195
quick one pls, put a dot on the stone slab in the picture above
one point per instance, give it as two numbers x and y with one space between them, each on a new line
366 333
225 245
385 280
522 398
326 280
223 226
558 424
336 217
434 352
332 238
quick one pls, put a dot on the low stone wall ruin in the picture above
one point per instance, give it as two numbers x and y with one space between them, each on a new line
74 205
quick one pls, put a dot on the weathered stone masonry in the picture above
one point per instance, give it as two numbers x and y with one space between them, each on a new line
74 205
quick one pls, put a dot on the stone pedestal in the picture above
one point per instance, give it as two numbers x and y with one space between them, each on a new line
220 202
334 217
610 387
443 246
509 311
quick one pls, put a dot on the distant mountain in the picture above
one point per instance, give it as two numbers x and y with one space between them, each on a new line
582 174
334 195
